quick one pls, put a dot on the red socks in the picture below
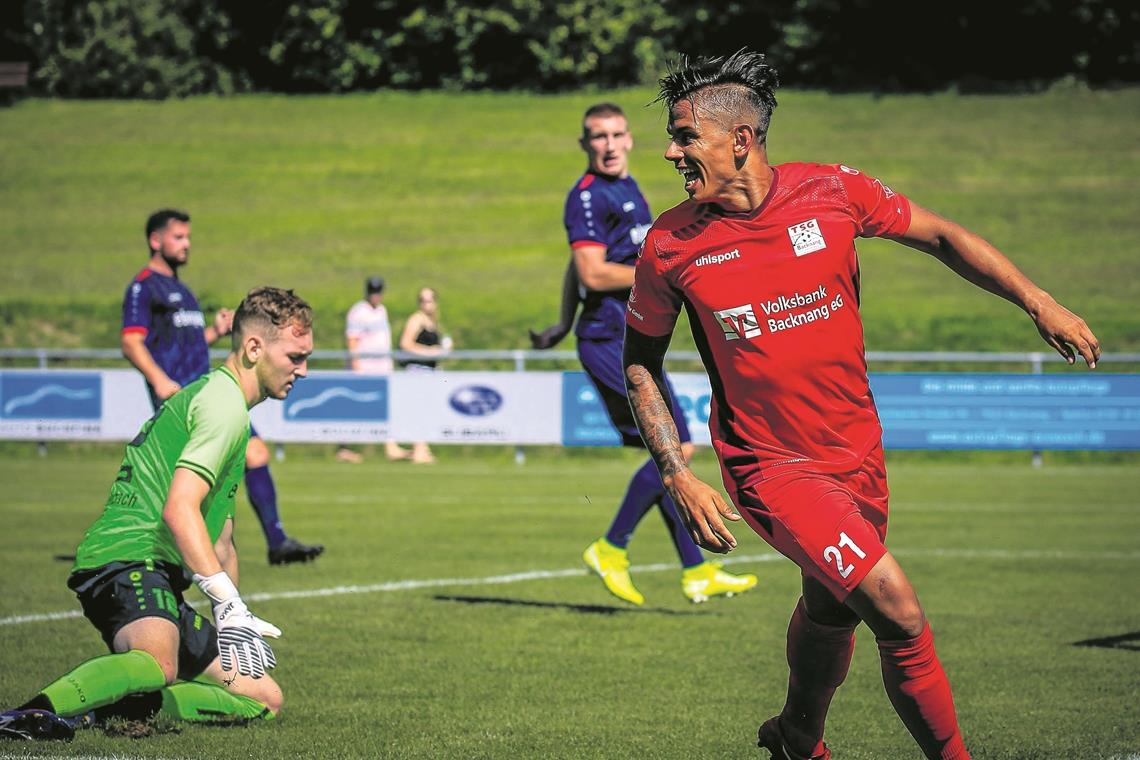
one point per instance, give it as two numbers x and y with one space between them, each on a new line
819 656
919 690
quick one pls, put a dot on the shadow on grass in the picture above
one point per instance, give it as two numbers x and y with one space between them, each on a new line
589 609
1129 641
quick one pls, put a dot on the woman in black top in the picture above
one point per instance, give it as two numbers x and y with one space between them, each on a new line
422 336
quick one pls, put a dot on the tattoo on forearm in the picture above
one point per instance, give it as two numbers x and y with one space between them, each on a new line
647 399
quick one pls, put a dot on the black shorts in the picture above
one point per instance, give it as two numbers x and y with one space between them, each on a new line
123 592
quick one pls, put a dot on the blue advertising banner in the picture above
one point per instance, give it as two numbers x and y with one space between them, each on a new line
51 396
1091 411
1008 411
584 418
338 398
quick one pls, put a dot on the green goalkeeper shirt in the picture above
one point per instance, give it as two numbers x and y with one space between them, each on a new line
203 428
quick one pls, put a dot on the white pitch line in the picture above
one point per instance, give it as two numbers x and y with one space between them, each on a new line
534 575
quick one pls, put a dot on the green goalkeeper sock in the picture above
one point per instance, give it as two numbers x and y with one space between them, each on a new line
102 681
199 701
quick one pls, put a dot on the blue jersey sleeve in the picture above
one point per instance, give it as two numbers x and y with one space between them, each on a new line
585 215
137 307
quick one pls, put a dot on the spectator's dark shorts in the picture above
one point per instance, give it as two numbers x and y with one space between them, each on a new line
123 592
603 363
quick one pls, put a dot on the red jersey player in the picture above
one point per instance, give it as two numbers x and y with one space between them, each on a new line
763 259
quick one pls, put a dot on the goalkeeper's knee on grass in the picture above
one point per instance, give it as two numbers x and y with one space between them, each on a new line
197 701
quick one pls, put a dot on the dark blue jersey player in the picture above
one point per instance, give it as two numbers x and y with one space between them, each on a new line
166 337
165 313
608 213
606 219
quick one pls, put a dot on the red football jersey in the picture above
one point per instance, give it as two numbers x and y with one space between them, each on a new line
773 301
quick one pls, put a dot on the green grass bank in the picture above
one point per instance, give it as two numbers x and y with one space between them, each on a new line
464 192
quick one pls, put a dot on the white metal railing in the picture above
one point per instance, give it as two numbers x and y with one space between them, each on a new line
520 357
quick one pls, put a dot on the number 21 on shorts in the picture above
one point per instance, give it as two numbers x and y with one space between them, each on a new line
835 554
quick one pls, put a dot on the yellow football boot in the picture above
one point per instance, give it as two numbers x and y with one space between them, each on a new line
707 580
612 564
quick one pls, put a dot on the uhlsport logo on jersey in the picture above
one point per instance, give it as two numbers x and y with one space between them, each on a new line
717 258
738 322
51 396
806 237
324 399
476 400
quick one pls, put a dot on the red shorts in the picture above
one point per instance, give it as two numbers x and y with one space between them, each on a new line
832 525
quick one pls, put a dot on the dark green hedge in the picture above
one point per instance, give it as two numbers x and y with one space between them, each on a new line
162 48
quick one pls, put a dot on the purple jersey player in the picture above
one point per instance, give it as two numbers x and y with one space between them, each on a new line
166 337
165 313
606 219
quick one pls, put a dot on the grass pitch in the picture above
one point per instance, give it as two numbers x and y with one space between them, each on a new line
464 626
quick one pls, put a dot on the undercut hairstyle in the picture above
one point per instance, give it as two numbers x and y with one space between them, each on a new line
737 89
270 310
603 110
159 219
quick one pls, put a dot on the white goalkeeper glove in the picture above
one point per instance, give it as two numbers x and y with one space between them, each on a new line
241 642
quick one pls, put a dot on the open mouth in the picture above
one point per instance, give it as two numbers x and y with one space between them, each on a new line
692 176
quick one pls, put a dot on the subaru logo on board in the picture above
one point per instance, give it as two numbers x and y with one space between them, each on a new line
476 400
51 395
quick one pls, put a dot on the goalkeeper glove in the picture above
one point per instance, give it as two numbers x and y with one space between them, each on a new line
241 642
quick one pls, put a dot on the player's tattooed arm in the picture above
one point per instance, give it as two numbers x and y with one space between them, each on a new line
644 356
699 504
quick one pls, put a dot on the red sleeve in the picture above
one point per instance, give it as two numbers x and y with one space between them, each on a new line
878 210
653 303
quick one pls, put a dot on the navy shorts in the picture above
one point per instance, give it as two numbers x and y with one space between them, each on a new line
122 592
603 363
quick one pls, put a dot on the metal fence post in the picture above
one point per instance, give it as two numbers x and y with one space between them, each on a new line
42 358
1036 360
520 366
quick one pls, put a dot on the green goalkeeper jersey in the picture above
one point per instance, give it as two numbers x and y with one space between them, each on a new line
203 428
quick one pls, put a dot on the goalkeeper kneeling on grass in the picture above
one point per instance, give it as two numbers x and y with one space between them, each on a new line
169 515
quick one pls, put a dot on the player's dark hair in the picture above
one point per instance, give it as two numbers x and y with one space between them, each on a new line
271 309
603 110
728 89
159 219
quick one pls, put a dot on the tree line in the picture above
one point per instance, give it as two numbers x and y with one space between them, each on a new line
171 48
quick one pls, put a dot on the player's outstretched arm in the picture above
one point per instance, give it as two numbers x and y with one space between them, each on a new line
568 309
700 505
240 633
976 260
